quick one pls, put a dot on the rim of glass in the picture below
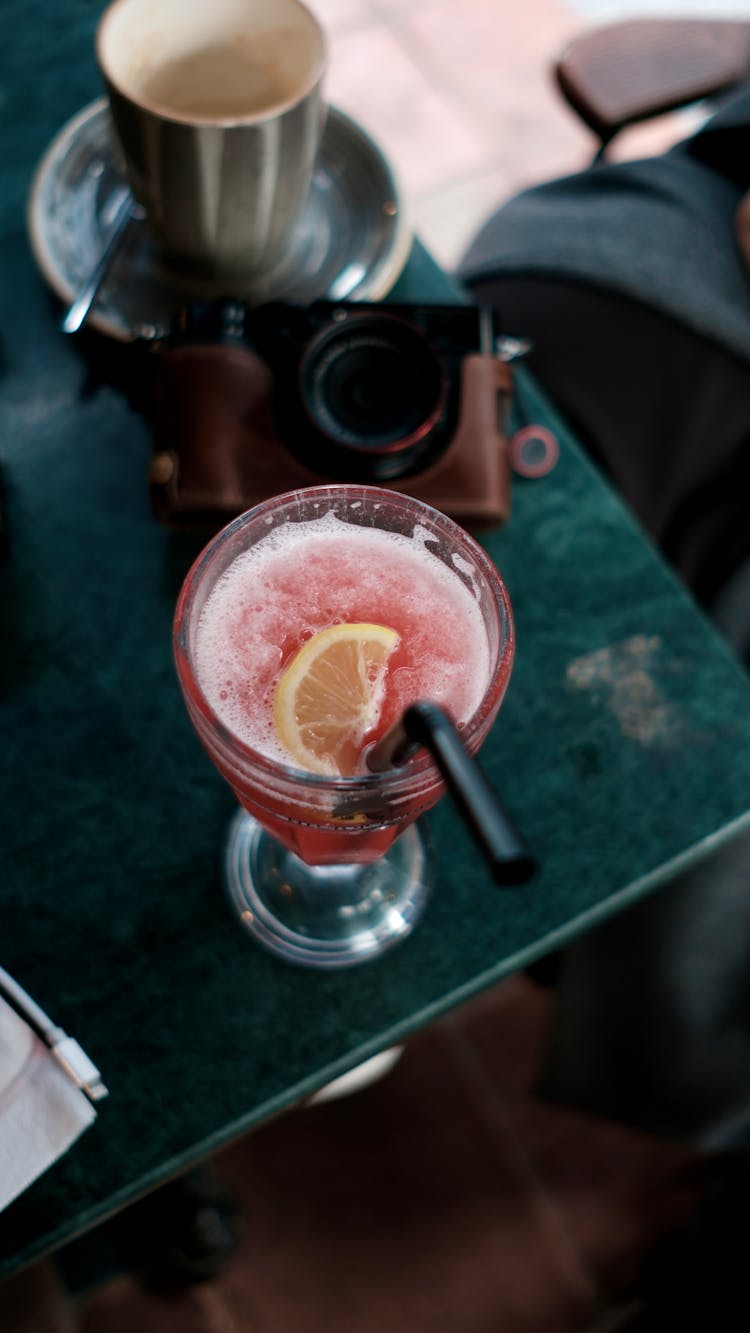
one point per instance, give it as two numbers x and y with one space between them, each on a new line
404 774
278 108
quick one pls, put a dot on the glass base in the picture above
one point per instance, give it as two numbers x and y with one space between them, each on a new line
324 916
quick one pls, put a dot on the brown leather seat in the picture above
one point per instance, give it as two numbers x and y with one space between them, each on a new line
621 73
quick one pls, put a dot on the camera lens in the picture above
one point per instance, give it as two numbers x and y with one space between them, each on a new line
372 384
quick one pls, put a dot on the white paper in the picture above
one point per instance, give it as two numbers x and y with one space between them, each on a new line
42 1112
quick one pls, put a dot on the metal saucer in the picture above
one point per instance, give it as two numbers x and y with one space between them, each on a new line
351 242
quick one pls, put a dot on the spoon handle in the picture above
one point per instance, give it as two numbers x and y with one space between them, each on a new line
78 311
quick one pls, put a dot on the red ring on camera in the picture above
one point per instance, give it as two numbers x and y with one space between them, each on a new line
543 460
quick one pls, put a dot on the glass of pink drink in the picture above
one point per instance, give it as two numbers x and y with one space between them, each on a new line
328 869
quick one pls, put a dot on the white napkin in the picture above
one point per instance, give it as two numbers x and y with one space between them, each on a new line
42 1112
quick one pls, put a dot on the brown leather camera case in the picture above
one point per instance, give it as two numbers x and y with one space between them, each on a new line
217 452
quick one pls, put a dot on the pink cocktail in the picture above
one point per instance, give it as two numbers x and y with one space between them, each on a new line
328 868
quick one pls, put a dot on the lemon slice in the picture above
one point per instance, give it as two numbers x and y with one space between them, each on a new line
330 695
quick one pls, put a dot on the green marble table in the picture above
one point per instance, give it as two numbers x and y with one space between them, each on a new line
623 749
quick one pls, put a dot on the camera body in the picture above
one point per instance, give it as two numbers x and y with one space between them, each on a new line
254 401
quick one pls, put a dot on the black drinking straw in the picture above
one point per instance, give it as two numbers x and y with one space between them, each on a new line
426 724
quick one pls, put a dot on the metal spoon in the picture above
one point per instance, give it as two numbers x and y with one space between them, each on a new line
126 210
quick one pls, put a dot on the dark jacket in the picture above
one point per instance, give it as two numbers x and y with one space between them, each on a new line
660 230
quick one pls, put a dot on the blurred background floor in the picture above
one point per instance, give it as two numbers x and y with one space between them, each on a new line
446 1196
459 95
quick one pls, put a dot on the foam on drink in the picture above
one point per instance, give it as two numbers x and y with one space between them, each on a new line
302 578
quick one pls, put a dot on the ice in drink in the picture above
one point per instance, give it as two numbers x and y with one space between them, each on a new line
295 576
303 578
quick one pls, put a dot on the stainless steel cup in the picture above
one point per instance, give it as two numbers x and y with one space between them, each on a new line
217 107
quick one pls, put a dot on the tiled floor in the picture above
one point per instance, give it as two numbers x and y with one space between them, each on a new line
459 95
447 1196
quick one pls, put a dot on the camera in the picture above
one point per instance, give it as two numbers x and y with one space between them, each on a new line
254 401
